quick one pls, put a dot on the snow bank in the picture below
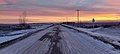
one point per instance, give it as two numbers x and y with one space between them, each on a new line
8 38
115 31
113 40
25 31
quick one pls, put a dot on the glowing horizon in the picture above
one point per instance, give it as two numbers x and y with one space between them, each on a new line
42 19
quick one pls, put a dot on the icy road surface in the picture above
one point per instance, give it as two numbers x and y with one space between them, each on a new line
71 42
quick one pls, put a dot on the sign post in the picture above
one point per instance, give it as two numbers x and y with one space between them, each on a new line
78 15
93 21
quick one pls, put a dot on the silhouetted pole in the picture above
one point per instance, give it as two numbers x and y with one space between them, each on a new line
118 20
24 17
20 20
66 20
78 15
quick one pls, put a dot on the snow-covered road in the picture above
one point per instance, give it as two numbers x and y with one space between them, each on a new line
71 42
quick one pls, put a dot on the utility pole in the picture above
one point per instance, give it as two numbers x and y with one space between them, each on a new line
24 17
118 20
78 15
20 20
66 20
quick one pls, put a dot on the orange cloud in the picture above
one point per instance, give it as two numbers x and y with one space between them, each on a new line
57 11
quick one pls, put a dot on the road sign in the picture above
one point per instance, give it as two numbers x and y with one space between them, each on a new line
93 20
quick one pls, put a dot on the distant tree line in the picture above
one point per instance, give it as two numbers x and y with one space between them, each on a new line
90 25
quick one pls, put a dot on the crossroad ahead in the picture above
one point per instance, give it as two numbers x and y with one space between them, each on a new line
59 40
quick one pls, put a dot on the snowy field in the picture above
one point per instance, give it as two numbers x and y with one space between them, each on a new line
2 32
16 34
109 31
111 39
24 31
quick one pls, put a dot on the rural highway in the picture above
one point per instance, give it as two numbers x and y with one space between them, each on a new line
58 40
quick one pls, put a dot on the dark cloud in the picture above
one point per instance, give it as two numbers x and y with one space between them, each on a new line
58 7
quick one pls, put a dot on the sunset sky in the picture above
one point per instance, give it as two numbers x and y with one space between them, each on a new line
59 10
